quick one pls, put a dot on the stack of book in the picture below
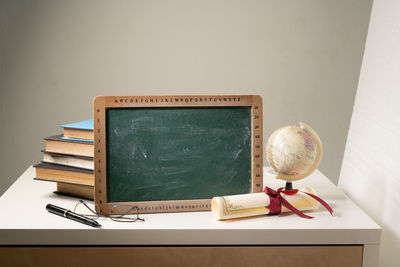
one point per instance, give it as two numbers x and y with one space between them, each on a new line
68 160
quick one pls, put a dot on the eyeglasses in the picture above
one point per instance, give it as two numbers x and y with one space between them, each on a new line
125 213
82 208
119 213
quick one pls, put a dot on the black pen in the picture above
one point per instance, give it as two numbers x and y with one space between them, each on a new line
71 215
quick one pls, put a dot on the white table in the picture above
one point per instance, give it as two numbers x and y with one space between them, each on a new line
26 227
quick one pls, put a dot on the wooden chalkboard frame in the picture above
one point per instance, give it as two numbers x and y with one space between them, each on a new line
102 103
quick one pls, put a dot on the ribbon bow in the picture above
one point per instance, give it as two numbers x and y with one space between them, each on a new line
276 201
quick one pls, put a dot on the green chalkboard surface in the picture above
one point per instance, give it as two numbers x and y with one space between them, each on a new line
177 153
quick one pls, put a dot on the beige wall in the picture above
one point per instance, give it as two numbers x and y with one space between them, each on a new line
370 170
303 57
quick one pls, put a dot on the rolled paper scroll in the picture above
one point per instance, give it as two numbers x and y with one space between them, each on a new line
238 206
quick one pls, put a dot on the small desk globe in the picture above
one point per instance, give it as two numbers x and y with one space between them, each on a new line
294 152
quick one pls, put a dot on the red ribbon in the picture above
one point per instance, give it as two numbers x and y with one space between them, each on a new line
276 201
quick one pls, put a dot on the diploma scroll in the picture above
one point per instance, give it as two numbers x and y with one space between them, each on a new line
237 206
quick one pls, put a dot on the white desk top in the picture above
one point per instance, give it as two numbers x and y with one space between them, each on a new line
25 221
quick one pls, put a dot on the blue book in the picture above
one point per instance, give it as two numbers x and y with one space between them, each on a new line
82 125
79 130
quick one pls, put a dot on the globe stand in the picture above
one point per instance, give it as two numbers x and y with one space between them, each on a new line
289 186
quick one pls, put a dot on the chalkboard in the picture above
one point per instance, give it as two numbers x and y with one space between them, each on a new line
167 156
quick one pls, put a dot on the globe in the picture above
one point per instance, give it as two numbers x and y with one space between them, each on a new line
294 152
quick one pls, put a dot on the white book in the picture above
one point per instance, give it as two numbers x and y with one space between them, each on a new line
69 160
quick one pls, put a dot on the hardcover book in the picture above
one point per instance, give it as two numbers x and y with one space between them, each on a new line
68 160
76 190
79 130
57 144
65 174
